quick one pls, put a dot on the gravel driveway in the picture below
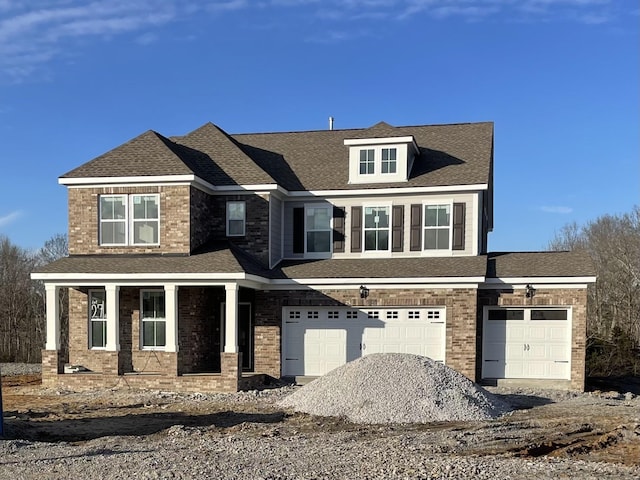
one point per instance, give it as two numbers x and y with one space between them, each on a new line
133 434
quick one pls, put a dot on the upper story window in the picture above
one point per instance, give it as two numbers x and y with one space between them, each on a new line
152 314
376 228
129 219
97 319
389 157
437 227
236 218
367 162
318 229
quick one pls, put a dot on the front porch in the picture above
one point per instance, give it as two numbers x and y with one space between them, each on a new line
199 338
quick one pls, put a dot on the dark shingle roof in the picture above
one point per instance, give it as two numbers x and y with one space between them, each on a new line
539 264
219 258
146 155
384 268
458 154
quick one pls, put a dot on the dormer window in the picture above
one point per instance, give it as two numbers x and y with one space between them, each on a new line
389 160
367 162
381 160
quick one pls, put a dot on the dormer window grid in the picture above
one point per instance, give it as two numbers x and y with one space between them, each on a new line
367 161
389 156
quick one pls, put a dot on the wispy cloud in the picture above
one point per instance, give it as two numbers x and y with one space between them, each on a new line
37 32
557 209
10 218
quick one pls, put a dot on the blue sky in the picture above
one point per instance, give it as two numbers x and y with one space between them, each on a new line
560 79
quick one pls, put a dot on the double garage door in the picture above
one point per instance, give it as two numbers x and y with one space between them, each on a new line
527 343
318 339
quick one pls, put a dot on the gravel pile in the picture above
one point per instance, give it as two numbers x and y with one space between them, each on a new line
396 388
9 369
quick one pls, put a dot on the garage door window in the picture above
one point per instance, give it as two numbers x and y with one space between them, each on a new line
506 315
548 314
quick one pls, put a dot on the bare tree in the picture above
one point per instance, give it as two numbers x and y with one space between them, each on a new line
22 301
613 242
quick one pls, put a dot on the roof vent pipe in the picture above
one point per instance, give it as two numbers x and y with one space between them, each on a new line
330 123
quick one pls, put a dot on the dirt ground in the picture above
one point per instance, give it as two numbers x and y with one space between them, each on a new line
596 426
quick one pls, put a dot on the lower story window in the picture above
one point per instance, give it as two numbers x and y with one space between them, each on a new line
97 319
152 312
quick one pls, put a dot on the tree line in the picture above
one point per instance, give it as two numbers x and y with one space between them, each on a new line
22 300
613 325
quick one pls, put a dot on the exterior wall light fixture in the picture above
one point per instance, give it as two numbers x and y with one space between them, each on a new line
364 291
529 291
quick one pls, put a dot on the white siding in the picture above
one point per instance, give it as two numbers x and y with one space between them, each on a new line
275 230
472 210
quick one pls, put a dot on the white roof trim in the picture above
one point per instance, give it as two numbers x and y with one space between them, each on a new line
143 277
379 140
387 191
370 285
339 282
89 181
535 281
254 188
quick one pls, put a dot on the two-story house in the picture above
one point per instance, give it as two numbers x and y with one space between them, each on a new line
208 261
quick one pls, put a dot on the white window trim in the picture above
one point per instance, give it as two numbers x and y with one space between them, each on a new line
374 253
128 220
395 162
125 220
244 219
367 161
133 220
91 320
442 251
328 254
142 320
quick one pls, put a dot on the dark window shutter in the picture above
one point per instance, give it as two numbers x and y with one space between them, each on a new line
458 226
298 230
397 224
356 229
338 229
415 230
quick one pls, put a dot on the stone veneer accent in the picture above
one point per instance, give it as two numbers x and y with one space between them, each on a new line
84 221
575 298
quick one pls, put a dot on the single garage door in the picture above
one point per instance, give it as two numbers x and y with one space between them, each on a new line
527 343
316 340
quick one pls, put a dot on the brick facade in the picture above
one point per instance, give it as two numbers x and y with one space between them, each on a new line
84 221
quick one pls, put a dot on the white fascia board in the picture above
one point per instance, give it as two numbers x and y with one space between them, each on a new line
390 282
371 286
370 192
137 277
101 181
242 188
570 282
378 141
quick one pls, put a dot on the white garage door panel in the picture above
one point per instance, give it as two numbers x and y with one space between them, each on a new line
318 339
527 348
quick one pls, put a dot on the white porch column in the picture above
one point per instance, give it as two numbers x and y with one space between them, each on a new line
231 318
113 317
52 308
171 317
